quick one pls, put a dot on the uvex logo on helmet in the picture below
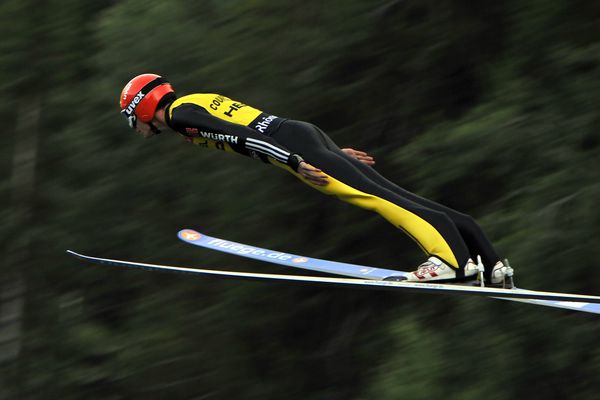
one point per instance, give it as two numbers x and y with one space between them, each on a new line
140 97
133 104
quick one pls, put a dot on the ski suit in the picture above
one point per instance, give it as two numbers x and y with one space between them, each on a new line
215 121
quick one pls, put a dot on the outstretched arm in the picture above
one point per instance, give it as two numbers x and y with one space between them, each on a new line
360 156
241 138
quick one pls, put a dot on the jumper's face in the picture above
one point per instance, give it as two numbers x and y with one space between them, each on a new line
144 129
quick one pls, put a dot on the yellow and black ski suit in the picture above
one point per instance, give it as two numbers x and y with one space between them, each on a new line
214 121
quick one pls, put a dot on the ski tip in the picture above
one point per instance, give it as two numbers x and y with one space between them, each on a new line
189 235
82 257
74 254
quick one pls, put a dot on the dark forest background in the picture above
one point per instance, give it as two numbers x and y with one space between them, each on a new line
488 107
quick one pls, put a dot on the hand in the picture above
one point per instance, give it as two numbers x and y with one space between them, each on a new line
312 174
360 156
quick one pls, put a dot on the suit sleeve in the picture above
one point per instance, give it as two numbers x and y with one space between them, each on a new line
192 115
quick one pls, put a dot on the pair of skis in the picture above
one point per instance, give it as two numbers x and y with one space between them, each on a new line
354 275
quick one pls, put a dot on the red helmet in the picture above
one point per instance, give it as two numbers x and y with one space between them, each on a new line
141 96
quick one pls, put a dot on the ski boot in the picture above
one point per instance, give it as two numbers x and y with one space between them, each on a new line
502 275
435 270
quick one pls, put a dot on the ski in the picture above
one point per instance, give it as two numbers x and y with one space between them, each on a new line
287 259
355 282
345 269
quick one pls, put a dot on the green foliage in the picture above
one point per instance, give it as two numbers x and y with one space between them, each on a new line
489 108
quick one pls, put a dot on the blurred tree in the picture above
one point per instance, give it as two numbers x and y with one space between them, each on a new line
489 108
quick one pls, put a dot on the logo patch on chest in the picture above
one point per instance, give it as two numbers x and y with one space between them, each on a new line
191 131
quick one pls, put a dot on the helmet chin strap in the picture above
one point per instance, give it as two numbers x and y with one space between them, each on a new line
153 128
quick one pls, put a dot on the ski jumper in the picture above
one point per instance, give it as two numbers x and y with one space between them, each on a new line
218 122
